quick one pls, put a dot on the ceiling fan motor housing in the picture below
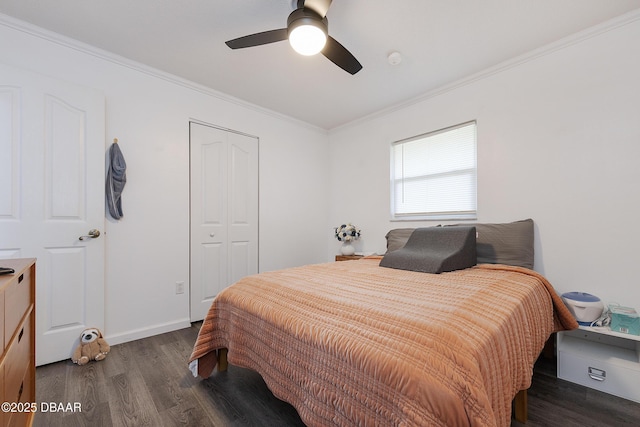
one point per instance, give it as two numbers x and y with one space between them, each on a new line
306 16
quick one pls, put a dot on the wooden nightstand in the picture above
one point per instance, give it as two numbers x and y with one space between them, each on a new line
347 257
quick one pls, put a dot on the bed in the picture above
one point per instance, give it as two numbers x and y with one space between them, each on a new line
355 343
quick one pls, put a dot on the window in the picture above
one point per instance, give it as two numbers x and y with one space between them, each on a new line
433 176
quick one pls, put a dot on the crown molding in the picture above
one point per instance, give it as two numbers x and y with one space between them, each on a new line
87 49
548 49
565 42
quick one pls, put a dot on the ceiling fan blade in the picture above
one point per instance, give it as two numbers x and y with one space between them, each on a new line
258 39
340 56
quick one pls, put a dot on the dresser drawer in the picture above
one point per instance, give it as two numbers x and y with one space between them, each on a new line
17 363
4 418
17 299
18 419
2 326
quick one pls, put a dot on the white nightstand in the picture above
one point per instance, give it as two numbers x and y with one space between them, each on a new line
601 359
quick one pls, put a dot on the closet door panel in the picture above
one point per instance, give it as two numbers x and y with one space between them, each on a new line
243 206
224 212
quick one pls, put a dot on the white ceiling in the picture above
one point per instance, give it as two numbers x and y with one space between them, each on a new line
440 41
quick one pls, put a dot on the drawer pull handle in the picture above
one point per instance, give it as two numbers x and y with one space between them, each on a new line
20 278
20 335
597 374
20 391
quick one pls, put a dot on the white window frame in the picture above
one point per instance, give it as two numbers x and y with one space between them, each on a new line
465 208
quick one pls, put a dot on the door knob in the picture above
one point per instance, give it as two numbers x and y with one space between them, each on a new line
93 233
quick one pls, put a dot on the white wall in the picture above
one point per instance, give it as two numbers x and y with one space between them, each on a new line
558 142
149 112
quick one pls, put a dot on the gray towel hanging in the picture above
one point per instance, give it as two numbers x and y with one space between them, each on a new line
116 179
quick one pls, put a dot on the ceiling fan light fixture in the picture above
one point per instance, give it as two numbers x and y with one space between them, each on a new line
307 32
307 40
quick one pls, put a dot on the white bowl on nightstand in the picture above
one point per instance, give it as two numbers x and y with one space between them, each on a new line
586 308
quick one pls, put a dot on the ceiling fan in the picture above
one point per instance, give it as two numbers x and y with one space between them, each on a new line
307 31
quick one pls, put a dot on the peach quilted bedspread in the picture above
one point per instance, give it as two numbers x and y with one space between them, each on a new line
351 343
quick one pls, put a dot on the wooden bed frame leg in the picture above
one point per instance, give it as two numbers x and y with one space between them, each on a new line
548 352
520 406
222 360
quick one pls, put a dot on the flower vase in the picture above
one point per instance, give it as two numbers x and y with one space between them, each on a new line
347 249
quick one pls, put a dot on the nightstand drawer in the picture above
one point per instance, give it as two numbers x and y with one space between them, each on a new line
619 379
17 299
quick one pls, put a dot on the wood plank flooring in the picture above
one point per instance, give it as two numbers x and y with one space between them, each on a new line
147 383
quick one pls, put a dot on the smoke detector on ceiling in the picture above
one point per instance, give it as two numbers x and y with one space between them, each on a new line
394 58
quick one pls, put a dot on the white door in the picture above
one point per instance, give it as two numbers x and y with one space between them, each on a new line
52 193
224 212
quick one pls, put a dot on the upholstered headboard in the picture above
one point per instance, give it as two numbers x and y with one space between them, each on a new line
503 243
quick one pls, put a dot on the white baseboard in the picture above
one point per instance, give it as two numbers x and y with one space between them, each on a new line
146 332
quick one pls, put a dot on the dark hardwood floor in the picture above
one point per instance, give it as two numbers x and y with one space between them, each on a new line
147 383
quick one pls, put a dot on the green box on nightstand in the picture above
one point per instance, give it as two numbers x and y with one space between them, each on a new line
625 320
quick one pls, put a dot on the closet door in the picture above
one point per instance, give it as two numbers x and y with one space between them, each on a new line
224 212
52 192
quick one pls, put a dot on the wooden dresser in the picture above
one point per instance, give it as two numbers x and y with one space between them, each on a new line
17 334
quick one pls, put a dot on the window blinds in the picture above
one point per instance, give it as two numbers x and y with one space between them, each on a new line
433 176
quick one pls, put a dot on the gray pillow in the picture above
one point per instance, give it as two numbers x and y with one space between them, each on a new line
507 243
397 238
510 244
435 250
